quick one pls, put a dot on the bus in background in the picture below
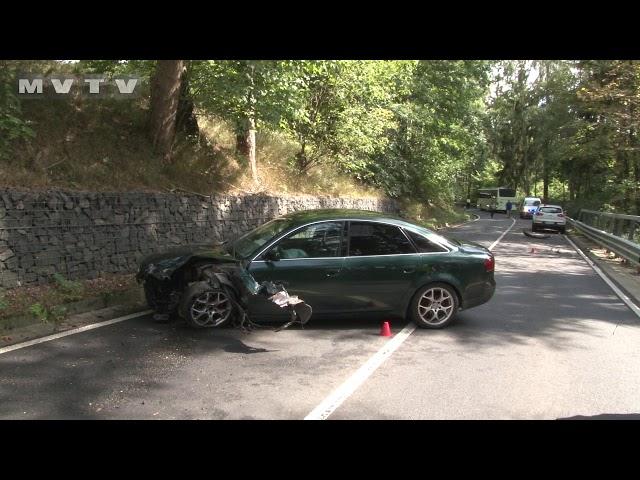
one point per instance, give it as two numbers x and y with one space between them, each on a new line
496 198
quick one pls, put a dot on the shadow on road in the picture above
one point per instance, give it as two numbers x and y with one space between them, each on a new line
606 416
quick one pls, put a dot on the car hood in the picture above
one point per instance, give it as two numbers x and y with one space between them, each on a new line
162 264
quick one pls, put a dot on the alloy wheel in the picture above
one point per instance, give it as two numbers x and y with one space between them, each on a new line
436 306
210 309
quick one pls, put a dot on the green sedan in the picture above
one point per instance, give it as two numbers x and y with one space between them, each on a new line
341 262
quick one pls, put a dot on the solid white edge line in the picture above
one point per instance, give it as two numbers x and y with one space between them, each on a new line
634 308
503 234
333 401
344 391
55 336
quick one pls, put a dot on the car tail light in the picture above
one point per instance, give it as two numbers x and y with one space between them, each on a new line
490 264
539 214
560 215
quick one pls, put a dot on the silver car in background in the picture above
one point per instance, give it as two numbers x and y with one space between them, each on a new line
529 206
549 217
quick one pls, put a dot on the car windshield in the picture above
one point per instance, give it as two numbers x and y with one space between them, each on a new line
250 242
551 210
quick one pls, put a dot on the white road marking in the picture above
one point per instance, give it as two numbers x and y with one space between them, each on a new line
503 234
55 336
333 401
634 308
344 391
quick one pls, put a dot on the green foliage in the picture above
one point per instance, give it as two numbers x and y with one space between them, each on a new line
70 290
411 128
57 313
437 142
143 68
12 126
45 314
573 130
430 131
40 312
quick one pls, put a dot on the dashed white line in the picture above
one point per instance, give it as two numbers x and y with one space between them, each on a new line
55 336
503 234
344 391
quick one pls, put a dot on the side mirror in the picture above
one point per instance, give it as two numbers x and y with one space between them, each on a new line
272 255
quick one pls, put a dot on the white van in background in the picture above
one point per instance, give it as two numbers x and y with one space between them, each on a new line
529 206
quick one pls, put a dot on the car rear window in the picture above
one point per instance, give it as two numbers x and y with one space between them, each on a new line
423 244
377 239
529 203
551 210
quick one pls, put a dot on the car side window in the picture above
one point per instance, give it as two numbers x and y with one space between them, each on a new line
366 238
313 241
423 244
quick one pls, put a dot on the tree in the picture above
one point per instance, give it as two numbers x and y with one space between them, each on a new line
13 126
249 94
165 94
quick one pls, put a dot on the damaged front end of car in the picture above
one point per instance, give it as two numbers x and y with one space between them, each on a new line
208 288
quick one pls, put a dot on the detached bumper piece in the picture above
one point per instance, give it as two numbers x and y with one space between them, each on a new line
300 312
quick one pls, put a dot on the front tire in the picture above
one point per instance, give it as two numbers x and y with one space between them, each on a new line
434 306
204 306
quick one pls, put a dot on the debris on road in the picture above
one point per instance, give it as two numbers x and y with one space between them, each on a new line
529 233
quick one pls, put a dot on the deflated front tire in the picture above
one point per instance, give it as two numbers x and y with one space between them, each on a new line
205 306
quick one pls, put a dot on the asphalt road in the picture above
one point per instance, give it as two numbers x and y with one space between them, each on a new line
554 342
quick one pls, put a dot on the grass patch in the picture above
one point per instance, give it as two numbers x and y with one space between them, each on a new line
434 216
49 303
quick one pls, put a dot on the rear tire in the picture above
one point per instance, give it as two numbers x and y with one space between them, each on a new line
434 306
562 230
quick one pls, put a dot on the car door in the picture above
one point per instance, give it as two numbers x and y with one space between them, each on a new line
381 267
309 264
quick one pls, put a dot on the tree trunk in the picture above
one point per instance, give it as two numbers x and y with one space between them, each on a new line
251 140
246 145
545 151
545 172
165 94
187 121
636 172
242 140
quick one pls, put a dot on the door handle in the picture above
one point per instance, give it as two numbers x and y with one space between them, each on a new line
332 273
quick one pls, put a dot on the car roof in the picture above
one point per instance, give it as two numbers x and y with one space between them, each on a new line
308 216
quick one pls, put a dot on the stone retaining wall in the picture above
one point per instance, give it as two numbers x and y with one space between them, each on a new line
84 234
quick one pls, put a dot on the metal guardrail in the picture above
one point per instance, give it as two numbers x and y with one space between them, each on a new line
620 246
620 225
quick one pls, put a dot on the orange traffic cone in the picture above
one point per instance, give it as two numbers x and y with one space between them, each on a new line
385 331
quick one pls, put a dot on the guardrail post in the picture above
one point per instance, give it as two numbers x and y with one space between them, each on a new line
617 226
